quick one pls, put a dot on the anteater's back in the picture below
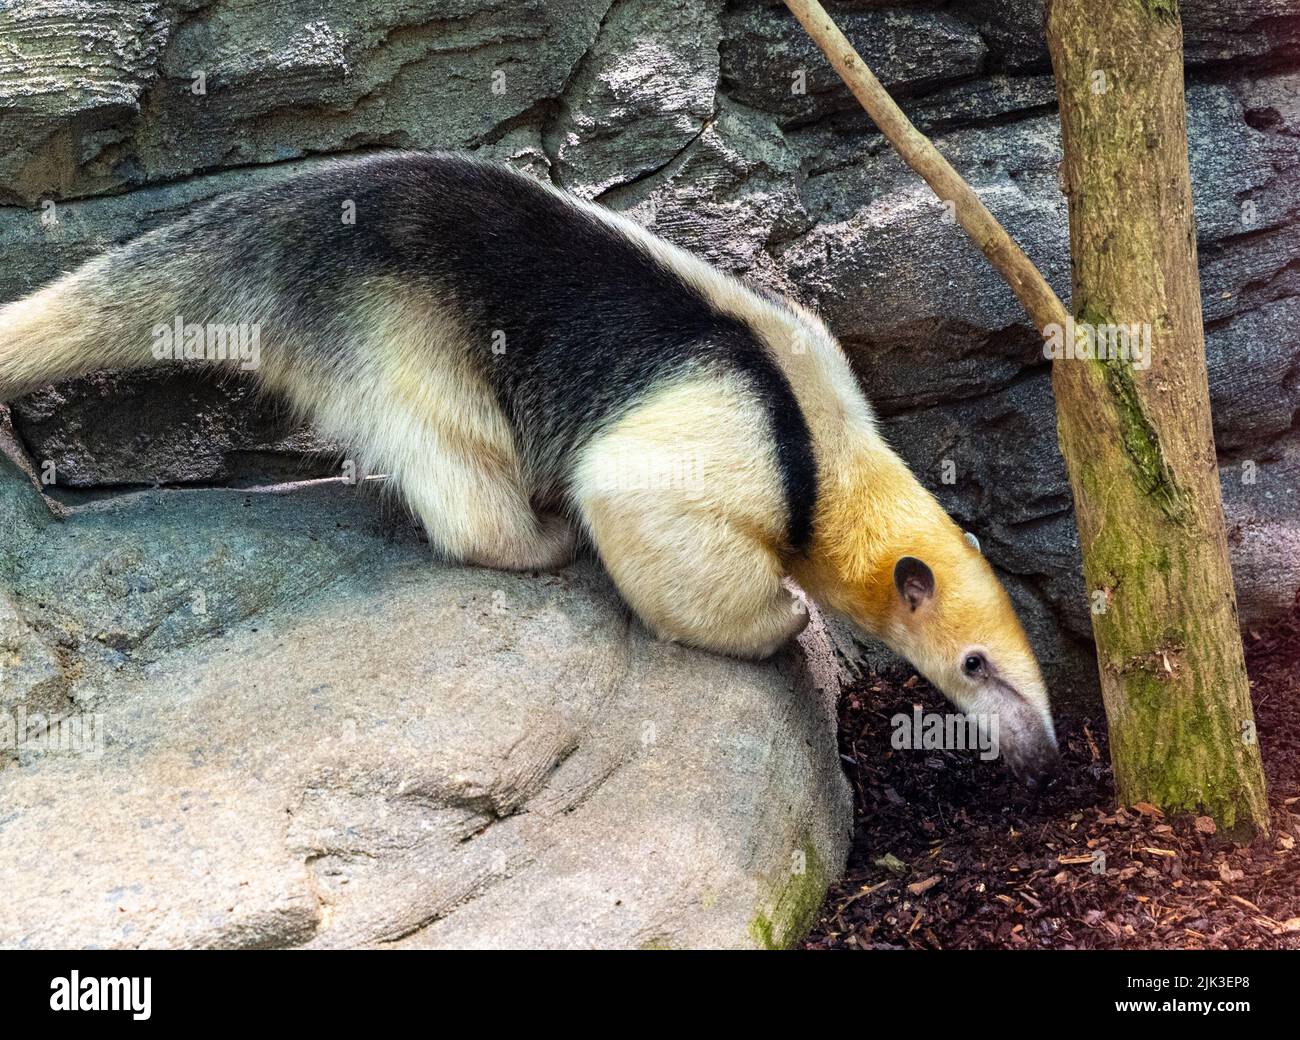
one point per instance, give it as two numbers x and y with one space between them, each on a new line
570 318
422 307
562 312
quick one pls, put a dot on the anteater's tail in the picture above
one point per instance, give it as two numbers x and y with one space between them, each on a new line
93 318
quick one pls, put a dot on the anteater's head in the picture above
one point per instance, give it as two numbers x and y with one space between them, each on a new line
944 610
891 560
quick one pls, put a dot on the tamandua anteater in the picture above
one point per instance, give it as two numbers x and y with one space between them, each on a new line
524 365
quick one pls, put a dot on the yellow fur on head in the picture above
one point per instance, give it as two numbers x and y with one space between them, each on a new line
872 513
871 510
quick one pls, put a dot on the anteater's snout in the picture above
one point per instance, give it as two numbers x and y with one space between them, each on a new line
1040 772
1028 742
1034 758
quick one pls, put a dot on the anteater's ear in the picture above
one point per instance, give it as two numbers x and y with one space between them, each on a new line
914 580
972 541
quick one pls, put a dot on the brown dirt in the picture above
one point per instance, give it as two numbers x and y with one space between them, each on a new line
951 852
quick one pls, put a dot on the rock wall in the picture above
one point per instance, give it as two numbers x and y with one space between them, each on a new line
717 124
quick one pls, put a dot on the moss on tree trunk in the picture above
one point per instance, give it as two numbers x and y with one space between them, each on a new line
1138 442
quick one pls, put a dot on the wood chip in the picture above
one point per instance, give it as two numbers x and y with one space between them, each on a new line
1020 873
1226 873
919 887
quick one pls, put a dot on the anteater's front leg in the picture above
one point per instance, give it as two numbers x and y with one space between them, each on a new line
694 578
686 511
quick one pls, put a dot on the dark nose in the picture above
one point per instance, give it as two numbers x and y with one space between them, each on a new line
1039 769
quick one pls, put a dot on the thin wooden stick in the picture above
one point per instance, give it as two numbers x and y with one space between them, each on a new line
1035 295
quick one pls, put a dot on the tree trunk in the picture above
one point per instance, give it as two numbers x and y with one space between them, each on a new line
1137 440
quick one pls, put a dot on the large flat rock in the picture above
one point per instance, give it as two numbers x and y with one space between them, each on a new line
357 746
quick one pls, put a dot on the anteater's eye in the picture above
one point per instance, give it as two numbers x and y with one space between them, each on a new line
973 665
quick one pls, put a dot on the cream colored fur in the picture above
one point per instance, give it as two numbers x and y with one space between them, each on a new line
419 413
63 330
683 502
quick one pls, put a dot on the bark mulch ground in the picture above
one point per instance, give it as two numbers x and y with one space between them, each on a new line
951 852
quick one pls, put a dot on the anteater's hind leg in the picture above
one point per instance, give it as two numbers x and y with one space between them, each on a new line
684 506
412 409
